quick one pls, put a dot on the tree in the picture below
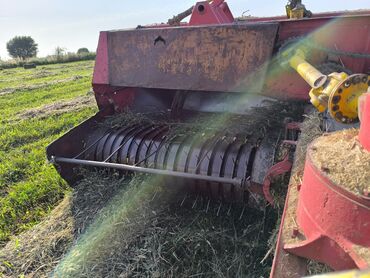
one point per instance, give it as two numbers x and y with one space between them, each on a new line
82 50
59 51
22 47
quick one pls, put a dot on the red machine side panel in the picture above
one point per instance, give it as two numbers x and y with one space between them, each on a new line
205 58
349 34
101 74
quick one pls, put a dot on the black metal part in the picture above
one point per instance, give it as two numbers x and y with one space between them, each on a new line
220 166
207 156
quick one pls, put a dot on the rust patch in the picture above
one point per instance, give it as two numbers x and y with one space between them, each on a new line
212 58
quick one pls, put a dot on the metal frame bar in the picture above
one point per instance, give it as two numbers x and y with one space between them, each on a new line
233 181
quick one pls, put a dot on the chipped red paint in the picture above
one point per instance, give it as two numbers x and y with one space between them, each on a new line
335 222
101 74
216 12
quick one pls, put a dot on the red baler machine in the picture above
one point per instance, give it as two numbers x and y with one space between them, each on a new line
220 68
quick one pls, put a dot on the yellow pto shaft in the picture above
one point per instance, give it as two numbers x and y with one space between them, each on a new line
337 92
311 75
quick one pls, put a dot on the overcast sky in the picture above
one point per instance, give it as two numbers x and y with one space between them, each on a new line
76 23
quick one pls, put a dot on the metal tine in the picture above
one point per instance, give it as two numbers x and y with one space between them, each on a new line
195 202
149 155
145 158
120 146
137 144
228 211
241 215
183 200
218 210
206 153
166 144
208 205
154 195
91 145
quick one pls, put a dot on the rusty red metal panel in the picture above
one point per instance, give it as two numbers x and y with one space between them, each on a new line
216 12
101 61
350 33
210 58
336 237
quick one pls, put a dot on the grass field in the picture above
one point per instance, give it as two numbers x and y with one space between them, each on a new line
36 107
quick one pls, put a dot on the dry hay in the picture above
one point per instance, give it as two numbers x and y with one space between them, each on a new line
32 87
262 121
58 108
343 159
36 252
144 232
134 227
311 128
316 268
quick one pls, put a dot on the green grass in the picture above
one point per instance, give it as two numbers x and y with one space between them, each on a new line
29 186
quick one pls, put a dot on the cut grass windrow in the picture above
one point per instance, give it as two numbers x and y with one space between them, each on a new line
29 186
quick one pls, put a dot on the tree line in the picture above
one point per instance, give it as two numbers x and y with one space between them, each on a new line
24 47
